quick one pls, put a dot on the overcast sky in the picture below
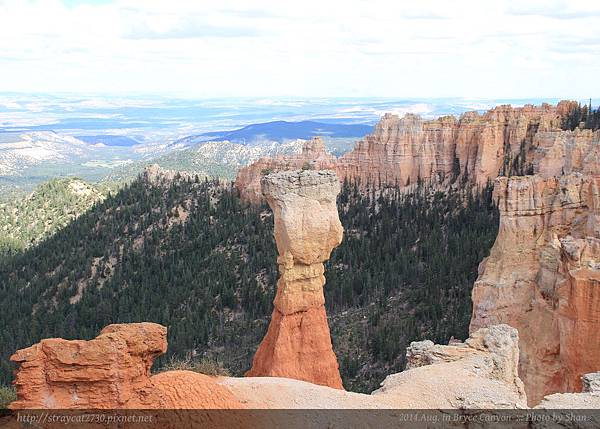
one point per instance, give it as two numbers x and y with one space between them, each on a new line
323 48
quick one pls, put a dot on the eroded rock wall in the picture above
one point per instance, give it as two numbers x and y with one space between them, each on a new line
543 277
473 148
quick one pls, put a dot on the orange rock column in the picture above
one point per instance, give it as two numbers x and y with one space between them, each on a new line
307 229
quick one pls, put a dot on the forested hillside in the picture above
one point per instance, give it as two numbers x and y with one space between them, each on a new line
50 207
186 254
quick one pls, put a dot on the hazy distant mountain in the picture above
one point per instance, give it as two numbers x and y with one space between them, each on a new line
28 158
280 131
109 140
208 159
21 150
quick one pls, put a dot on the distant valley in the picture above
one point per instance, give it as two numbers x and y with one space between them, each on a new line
28 158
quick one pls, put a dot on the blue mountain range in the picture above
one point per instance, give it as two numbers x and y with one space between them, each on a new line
283 130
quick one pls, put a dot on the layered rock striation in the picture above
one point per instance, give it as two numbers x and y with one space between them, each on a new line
556 153
476 147
543 277
307 228
473 148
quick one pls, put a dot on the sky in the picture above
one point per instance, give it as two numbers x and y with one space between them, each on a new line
308 48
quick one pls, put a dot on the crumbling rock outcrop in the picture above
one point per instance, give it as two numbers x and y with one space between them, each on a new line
591 383
112 371
307 229
543 277
480 373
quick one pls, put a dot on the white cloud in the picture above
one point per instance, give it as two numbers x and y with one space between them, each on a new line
312 48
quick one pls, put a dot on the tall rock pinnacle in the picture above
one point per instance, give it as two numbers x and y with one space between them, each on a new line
307 229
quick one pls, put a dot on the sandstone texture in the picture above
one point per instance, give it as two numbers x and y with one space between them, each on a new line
556 153
313 155
543 278
480 373
589 398
473 148
112 371
307 229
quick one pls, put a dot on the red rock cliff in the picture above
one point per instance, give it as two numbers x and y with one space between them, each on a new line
543 277
307 228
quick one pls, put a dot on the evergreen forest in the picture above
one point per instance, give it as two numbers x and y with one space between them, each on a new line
188 254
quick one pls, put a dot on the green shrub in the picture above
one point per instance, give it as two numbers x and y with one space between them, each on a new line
7 395
307 166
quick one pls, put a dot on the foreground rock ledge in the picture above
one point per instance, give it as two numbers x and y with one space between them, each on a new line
112 372
307 229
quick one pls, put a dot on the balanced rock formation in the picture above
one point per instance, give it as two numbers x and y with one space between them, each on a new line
313 155
307 229
543 278
112 371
